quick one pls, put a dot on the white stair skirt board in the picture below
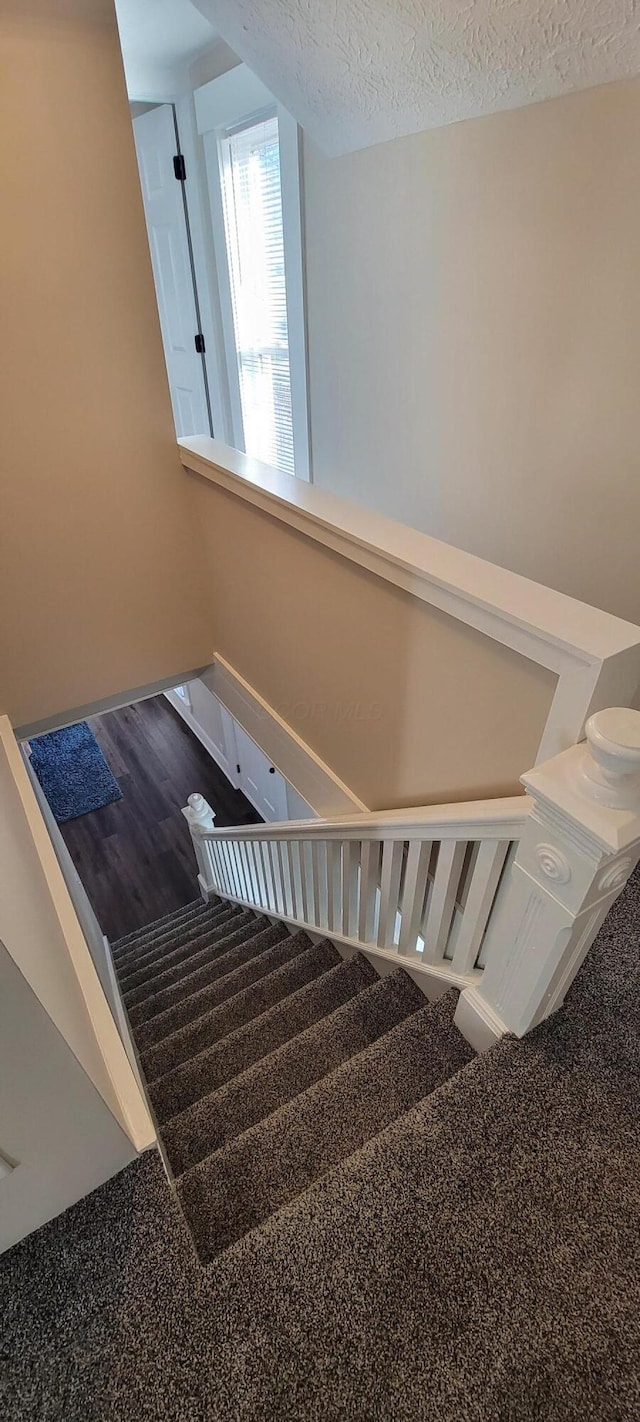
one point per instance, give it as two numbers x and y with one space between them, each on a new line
309 776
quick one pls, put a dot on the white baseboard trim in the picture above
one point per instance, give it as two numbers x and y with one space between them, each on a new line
481 1027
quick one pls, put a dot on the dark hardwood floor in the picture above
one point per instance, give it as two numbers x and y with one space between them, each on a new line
135 857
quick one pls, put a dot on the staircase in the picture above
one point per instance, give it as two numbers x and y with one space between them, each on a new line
269 1059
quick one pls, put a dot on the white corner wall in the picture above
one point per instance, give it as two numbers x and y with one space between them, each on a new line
55 1129
474 337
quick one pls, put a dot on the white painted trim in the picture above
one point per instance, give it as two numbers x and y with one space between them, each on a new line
596 656
204 263
323 791
214 188
232 98
292 233
481 1027
470 820
133 1116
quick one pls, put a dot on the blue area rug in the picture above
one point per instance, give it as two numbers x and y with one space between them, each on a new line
73 772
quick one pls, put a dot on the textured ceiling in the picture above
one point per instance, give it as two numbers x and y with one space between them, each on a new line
356 72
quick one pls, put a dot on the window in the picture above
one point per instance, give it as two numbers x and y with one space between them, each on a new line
250 170
251 152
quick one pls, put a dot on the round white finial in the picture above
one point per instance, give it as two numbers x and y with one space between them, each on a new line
611 765
200 813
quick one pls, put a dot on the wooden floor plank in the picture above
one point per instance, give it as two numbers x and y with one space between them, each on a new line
135 857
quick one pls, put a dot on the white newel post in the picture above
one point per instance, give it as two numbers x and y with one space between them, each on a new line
580 844
200 817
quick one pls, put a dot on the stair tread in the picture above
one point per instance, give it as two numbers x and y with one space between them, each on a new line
189 910
266 951
240 1186
170 956
205 926
205 951
157 1003
249 1043
155 936
240 1008
304 1059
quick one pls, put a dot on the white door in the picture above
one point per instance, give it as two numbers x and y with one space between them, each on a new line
263 785
218 725
164 206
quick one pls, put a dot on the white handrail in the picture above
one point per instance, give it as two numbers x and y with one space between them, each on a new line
473 819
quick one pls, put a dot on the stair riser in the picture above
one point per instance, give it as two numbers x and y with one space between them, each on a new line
121 946
193 1009
170 928
178 1090
158 1003
241 1008
239 1187
212 1122
173 942
209 950
174 955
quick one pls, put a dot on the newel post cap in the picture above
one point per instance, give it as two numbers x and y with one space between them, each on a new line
611 764
199 812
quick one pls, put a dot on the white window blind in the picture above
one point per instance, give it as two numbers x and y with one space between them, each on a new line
250 170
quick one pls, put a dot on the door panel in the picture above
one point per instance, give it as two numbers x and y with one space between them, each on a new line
155 140
260 781
218 725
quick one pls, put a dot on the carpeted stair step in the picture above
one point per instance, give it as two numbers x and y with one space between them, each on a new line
232 934
240 1186
217 1118
224 960
165 944
265 952
174 954
169 943
307 961
173 926
121 946
224 1060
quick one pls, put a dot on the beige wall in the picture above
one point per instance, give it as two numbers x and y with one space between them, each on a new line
474 336
98 585
405 704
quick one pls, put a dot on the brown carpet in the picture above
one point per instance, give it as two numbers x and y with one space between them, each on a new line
475 1261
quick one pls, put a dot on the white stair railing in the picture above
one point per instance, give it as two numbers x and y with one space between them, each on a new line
418 884
500 897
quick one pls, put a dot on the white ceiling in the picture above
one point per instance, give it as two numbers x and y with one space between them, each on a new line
356 72
159 39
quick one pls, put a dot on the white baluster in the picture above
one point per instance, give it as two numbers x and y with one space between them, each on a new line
350 886
369 882
334 885
580 843
451 856
414 894
200 818
482 889
389 891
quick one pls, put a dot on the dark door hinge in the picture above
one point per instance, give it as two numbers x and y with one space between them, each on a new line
238 769
180 167
199 343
